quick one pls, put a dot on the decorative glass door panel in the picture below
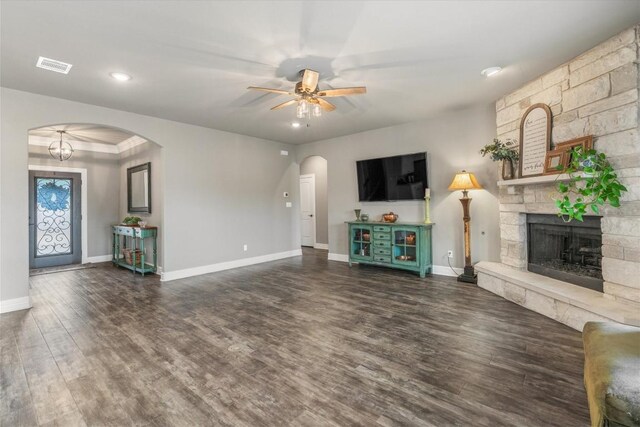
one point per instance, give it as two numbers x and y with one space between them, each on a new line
361 242
405 246
53 216
54 219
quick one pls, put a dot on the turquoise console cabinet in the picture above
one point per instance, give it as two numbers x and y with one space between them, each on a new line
130 242
406 246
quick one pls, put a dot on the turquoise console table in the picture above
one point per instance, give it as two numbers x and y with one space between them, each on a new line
133 239
405 246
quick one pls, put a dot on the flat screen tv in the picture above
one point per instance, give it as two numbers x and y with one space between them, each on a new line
392 178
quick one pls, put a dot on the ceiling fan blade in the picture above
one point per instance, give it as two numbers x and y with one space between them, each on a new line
285 104
344 91
326 105
266 89
310 80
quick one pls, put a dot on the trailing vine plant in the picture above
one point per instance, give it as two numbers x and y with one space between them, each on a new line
593 184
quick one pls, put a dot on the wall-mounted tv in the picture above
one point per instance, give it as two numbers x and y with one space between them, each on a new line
392 178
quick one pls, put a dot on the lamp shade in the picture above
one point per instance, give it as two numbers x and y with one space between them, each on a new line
464 181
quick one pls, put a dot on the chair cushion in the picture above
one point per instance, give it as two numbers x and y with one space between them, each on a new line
612 373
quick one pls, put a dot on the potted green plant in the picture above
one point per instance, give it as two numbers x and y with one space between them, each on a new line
593 183
506 152
131 220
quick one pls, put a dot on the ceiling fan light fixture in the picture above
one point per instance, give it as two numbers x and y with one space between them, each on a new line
60 150
302 109
317 110
491 71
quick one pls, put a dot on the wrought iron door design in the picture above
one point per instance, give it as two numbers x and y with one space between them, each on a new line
54 219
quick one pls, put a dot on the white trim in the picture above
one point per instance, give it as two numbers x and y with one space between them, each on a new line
228 265
83 200
15 304
338 257
323 246
96 147
130 143
99 258
445 270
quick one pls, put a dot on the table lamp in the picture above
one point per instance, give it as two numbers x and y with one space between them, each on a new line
466 181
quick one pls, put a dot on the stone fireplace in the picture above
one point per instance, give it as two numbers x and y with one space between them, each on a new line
593 94
567 251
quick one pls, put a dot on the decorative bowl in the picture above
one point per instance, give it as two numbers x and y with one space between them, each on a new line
389 217
364 217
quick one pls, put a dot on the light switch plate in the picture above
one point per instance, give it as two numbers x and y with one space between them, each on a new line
289 204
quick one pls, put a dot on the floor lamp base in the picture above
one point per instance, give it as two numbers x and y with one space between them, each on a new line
469 276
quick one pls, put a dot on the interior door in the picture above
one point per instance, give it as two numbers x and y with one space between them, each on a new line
54 219
308 209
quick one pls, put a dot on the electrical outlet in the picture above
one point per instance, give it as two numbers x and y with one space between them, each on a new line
450 253
245 247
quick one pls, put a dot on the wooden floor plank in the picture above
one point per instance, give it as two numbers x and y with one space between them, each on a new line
300 341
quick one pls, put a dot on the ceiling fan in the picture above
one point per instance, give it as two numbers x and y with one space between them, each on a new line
309 98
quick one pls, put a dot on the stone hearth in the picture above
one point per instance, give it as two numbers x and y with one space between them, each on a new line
593 94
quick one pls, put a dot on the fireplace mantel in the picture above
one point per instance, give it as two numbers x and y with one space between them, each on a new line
543 179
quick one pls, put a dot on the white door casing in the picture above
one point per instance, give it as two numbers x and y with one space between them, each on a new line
308 209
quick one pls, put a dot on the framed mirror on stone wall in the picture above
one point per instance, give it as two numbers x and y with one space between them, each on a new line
139 189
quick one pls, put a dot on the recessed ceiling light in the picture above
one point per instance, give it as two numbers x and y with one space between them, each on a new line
121 77
295 125
488 72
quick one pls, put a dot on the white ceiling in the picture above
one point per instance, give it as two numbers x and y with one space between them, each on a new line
192 61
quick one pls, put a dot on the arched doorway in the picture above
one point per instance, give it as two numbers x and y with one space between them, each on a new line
73 227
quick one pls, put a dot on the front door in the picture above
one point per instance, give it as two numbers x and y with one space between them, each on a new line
54 219
308 209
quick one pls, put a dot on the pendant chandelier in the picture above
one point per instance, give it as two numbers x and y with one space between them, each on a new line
61 150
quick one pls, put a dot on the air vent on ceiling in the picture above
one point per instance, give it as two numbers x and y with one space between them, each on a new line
53 65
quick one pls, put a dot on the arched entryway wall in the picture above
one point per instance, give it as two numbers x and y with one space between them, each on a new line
22 112
221 191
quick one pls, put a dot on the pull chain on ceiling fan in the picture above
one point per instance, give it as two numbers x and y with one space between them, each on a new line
309 99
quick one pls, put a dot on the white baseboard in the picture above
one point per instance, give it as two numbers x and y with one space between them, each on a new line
338 257
442 270
99 258
323 246
445 270
212 268
15 304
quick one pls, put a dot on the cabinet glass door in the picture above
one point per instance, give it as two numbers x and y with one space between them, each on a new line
405 246
361 242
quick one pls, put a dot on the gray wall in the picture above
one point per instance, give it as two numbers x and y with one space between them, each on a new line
317 166
147 152
103 188
221 189
452 141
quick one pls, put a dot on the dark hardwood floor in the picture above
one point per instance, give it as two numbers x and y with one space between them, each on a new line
295 342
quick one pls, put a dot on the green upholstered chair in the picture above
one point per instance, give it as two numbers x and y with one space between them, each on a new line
612 373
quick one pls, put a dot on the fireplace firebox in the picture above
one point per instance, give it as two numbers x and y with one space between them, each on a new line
568 251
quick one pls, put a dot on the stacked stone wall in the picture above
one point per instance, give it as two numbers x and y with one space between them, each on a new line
593 94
